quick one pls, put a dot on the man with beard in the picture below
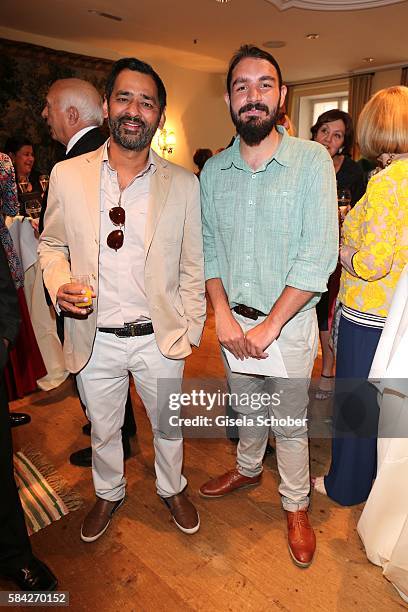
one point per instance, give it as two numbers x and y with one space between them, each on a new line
270 244
131 221
73 112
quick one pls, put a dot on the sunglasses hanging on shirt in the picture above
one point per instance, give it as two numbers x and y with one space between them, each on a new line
117 215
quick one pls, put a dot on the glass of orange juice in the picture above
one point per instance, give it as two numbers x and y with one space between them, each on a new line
83 279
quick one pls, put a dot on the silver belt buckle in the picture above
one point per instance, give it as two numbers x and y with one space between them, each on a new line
131 327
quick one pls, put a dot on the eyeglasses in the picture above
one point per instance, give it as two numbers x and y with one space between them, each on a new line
117 215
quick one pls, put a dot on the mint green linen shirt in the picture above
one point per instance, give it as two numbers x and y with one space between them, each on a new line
273 227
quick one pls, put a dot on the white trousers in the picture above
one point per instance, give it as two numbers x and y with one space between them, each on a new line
103 385
298 343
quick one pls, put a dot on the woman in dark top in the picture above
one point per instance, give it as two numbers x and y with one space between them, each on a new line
351 176
21 152
334 130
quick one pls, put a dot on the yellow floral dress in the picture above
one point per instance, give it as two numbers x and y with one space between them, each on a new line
378 228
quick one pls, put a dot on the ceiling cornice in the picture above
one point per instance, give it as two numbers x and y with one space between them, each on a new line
347 75
331 5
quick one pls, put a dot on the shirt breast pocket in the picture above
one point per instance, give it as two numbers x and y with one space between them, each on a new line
224 206
279 214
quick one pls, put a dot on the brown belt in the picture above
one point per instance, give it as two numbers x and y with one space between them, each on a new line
130 330
247 311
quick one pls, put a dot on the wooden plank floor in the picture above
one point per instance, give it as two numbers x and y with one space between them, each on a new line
237 561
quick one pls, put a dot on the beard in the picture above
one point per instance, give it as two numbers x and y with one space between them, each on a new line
129 140
254 130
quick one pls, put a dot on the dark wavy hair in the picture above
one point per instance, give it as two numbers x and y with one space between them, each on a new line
334 115
201 156
14 144
254 53
131 63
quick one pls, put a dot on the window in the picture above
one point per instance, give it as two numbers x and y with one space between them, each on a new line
320 107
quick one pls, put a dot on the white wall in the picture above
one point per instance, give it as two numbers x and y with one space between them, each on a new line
386 78
196 111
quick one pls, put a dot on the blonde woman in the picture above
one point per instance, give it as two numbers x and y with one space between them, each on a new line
373 254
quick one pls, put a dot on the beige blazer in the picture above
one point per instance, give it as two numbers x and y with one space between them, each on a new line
174 268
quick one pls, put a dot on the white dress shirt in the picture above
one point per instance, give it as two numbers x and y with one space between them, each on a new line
122 297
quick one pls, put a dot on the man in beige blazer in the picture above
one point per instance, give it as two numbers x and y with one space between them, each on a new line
130 220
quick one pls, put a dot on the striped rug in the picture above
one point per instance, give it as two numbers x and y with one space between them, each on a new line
44 495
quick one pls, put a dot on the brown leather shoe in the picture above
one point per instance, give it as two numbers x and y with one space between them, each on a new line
98 519
228 482
183 512
301 538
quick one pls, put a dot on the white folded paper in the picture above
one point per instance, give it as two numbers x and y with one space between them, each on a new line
271 366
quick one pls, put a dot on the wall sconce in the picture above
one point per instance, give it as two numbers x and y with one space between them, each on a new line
167 141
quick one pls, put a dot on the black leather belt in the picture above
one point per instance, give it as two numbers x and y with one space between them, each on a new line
130 330
247 311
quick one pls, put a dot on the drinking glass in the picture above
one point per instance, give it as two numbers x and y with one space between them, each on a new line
23 184
33 208
83 279
44 179
343 202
